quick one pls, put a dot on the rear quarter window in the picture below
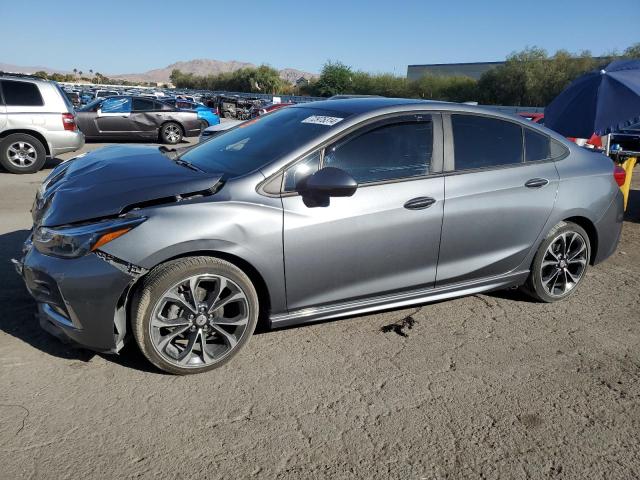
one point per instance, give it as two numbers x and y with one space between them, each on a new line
22 94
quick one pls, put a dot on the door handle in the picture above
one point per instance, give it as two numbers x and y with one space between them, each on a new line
536 183
419 203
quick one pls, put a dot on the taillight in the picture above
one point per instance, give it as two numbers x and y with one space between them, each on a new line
619 175
69 122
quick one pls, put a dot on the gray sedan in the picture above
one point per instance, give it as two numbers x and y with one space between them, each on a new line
127 117
314 212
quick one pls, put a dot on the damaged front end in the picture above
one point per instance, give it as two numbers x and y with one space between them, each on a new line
83 300
81 291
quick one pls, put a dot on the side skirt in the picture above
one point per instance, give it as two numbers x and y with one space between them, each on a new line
397 300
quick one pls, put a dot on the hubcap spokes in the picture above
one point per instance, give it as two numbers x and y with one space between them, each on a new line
172 132
199 320
22 154
564 263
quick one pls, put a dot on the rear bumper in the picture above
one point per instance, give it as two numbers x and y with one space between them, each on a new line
79 300
609 228
64 141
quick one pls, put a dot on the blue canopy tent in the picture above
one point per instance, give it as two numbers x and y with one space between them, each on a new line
600 102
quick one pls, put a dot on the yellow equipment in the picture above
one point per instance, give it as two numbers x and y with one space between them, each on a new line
627 165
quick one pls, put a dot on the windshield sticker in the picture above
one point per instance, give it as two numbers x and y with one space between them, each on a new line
322 120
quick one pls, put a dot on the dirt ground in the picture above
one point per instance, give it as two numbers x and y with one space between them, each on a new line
487 386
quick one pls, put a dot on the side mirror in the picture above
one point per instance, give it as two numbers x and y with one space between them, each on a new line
330 182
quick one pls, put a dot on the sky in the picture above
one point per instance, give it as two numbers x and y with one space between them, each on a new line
372 35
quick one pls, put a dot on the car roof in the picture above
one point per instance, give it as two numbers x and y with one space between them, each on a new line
24 78
359 105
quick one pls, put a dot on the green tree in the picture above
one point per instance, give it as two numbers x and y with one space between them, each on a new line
335 78
633 51
41 74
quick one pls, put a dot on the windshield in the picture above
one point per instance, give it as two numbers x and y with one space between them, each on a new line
261 141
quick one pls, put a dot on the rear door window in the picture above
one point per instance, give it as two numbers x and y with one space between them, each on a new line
143 105
23 94
481 142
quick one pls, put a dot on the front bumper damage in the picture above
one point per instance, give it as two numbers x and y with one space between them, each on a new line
83 300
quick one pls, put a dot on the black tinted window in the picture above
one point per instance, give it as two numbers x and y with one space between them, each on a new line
485 142
536 146
142 105
389 151
22 94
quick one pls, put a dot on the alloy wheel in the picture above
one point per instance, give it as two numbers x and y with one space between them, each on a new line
172 133
22 154
199 320
564 263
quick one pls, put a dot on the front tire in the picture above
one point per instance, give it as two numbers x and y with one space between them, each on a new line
194 314
560 263
22 153
171 133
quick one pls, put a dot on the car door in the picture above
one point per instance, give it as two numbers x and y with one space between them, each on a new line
113 118
498 198
146 116
385 238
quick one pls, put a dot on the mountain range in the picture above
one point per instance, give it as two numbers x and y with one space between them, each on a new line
198 67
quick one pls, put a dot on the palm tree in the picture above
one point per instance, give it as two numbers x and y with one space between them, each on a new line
75 71
90 71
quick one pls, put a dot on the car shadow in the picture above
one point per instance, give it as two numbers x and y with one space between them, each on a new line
19 316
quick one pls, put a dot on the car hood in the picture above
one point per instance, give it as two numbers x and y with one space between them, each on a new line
112 180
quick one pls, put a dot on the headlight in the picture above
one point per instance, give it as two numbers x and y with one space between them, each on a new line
74 242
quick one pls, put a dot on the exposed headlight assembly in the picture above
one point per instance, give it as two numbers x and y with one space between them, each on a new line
76 241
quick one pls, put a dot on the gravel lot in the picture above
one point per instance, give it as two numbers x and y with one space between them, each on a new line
487 386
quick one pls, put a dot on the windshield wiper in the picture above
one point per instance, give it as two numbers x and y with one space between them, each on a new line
188 165
175 156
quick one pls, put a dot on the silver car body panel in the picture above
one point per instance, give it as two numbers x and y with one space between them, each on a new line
366 252
45 121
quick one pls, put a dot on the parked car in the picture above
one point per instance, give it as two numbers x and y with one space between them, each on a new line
236 107
206 115
136 117
37 121
216 130
104 93
86 97
74 98
314 212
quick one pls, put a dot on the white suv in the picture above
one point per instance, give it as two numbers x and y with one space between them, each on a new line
36 121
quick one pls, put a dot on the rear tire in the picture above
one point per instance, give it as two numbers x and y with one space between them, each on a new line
171 133
22 153
194 314
560 263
